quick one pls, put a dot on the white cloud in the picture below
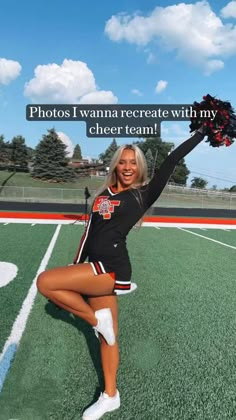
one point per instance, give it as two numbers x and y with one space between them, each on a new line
9 70
193 31
67 141
136 92
212 66
151 58
99 97
229 10
70 82
161 85
174 132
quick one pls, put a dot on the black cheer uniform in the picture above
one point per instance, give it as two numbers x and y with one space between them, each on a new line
115 213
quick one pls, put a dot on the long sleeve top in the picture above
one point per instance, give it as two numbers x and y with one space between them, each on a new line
115 213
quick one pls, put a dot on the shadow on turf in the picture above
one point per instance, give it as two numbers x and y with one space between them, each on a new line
92 342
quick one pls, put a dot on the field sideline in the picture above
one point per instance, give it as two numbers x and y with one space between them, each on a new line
176 331
164 221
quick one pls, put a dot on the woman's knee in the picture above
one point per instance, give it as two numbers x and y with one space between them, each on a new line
42 283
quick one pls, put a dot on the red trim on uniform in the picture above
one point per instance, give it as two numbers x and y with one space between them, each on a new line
98 268
113 276
113 189
122 287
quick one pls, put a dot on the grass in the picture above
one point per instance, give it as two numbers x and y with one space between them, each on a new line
25 180
17 247
177 338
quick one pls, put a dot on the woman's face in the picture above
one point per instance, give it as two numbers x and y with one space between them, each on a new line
126 169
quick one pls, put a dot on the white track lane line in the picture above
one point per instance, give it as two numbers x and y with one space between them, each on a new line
12 343
209 239
40 221
189 225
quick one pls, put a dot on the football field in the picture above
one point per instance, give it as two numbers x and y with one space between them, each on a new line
177 331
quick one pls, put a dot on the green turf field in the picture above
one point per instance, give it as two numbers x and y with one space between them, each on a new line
177 330
21 179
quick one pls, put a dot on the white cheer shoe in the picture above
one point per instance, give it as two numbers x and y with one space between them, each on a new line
103 405
105 325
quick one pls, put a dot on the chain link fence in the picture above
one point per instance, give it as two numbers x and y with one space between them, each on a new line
172 196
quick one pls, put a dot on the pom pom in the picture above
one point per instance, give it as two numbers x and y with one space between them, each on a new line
221 129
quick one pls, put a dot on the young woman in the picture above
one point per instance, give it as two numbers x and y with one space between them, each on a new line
125 198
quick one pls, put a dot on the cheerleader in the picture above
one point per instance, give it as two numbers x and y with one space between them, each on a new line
121 203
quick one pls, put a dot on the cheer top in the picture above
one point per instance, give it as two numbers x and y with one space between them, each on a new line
114 214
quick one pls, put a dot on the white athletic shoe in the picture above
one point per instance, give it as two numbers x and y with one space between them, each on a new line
103 405
105 325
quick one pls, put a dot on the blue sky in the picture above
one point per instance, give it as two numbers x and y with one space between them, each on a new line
136 52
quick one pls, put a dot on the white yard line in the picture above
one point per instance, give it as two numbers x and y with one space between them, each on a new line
209 239
8 220
19 325
189 225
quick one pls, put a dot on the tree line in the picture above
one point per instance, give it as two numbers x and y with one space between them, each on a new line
14 154
156 151
49 160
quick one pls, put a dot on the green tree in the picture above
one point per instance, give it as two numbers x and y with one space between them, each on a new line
180 174
30 152
198 182
160 151
77 153
150 161
109 152
232 189
50 162
19 153
3 154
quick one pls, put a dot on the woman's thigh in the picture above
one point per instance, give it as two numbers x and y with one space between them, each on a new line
79 278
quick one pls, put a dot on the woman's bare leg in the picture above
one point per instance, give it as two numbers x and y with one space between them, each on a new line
109 354
65 285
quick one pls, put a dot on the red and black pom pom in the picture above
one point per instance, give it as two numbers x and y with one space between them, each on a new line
222 129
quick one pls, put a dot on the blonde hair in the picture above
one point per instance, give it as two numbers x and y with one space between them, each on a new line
141 165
